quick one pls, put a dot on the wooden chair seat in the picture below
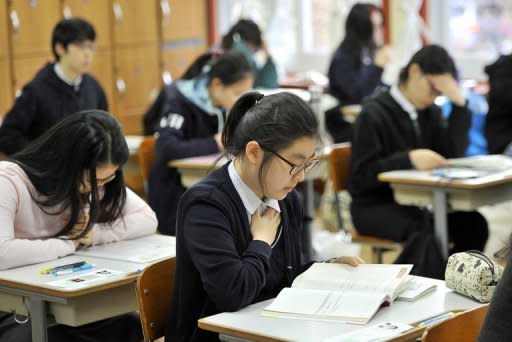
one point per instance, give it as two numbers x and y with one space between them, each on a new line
339 170
146 154
464 327
154 292
376 241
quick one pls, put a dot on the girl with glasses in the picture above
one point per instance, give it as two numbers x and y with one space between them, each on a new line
239 229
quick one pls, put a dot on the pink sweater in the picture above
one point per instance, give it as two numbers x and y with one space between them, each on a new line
27 234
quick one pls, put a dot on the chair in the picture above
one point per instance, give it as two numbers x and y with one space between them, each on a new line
464 327
146 154
339 170
154 292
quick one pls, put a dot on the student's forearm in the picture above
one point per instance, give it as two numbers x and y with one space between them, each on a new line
20 252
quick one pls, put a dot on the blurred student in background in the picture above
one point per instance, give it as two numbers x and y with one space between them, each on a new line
59 89
190 116
402 129
357 65
245 37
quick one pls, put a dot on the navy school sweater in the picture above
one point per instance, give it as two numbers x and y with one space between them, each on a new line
43 102
219 267
187 131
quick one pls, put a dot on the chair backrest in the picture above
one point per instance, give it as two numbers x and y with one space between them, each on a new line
464 327
154 291
339 165
146 154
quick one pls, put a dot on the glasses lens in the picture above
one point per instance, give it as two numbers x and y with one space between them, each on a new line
306 167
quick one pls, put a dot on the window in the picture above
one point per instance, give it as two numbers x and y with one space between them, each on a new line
475 31
301 34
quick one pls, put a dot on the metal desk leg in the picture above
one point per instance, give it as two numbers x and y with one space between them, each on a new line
441 220
309 208
38 320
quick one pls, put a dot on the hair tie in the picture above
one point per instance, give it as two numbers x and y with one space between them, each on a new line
216 53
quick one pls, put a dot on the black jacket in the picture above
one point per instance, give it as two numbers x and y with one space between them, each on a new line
43 102
498 123
383 136
497 326
219 267
187 132
349 83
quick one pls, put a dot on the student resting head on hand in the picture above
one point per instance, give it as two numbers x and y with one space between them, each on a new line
239 229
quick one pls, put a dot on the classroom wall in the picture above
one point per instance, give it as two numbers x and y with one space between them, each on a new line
140 43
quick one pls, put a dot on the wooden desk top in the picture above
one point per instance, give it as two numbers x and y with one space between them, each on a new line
425 178
209 161
199 163
248 323
28 277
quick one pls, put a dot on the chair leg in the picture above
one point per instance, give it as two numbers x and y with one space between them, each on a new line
338 212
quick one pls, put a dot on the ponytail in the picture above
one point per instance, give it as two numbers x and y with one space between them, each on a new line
240 108
196 68
229 67
275 121
247 30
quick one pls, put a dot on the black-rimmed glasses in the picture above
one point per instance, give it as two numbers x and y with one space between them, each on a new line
295 169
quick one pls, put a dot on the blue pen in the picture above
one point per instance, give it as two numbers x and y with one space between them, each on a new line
73 270
436 319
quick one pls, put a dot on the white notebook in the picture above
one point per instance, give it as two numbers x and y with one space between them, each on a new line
146 249
341 292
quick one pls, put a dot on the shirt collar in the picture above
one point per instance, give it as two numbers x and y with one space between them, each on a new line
60 73
402 101
250 200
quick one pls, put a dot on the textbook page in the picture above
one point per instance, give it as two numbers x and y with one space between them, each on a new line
493 162
368 278
340 292
348 307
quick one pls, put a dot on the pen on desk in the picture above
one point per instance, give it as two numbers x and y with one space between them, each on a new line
47 270
73 270
436 319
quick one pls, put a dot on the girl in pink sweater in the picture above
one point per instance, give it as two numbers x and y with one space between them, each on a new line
66 190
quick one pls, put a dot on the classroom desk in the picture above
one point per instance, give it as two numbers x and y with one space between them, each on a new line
421 188
23 290
194 169
249 324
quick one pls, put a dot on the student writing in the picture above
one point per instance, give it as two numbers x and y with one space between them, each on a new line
59 89
239 229
191 116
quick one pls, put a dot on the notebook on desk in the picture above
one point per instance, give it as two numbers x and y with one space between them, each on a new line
341 292
147 249
493 162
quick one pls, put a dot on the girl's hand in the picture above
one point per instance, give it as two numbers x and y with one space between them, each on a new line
349 260
264 225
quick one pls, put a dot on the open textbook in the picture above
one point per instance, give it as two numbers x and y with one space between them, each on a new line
341 292
493 162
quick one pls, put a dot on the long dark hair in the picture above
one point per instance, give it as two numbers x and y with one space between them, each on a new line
432 60
247 30
57 161
230 67
274 121
359 32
